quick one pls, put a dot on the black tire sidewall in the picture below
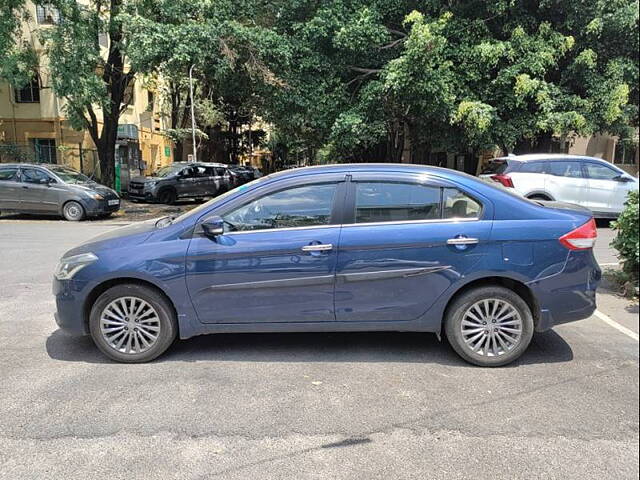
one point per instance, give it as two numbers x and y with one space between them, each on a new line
168 323
167 196
460 306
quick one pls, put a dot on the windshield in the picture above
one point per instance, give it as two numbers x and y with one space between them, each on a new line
168 170
67 175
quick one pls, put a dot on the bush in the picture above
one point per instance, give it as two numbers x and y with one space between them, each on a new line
627 242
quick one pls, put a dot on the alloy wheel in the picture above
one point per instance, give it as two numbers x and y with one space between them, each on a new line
491 327
130 325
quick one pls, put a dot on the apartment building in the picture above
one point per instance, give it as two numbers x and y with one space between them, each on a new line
33 125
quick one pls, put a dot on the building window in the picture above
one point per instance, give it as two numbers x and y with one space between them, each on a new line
47 14
45 150
30 93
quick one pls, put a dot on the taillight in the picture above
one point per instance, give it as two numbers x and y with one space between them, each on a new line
505 180
582 238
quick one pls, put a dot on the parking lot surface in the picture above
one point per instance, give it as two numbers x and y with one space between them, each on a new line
300 406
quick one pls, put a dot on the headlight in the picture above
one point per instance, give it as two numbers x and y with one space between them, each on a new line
69 266
95 195
149 185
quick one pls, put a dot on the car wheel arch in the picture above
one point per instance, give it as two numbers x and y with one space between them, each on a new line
105 285
518 287
547 197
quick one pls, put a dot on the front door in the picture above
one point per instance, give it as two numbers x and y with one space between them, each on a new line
606 194
566 182
410 239
274 263
37 194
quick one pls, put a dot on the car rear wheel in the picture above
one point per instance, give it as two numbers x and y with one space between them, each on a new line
489 326
73 211
167 196
132 323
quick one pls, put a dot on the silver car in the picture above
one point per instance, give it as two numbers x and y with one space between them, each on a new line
590 182
54 190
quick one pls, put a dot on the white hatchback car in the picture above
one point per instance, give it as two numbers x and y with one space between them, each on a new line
590 182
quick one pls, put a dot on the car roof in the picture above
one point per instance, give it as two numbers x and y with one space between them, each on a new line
529 157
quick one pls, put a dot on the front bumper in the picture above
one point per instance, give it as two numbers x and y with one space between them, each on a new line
70 315
95 208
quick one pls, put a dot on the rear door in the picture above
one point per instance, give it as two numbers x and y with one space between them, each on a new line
9 188
565 181
407 240
39 192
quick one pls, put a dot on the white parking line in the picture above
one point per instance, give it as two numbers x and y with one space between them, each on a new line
608 320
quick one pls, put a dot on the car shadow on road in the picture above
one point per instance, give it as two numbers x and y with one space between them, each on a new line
388 347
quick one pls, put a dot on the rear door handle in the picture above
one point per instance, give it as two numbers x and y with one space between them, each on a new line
317 248
462 241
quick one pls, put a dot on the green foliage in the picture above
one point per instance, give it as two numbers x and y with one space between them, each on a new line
627 241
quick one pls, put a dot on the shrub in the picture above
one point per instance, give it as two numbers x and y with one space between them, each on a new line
627 242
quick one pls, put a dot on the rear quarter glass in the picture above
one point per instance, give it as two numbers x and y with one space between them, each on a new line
499 167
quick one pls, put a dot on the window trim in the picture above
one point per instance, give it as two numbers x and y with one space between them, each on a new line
350 207
334 219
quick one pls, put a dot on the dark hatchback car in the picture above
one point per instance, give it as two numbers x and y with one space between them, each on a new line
54 190
338 248
181 180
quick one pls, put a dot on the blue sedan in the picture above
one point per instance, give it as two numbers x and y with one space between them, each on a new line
339 248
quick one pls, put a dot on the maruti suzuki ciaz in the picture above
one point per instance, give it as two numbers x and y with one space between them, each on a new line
375 247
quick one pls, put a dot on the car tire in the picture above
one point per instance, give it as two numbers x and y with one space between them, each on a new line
73 211
132 323
167 196
489 326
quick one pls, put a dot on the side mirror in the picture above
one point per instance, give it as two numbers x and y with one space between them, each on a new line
213 226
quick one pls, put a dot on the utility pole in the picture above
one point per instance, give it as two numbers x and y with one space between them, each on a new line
193 115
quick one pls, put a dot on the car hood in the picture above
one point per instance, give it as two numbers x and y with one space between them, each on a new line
91 188
133 234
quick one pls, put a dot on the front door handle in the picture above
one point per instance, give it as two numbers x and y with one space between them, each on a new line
317 248
462 241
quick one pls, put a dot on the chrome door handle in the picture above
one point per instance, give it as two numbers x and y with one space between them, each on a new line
317 248
462 241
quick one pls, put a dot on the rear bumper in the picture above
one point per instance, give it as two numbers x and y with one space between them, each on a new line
569 295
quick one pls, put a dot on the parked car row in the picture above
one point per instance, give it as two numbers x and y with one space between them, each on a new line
54 190
189 180
590 182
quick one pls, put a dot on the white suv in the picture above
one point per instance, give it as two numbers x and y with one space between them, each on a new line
590 182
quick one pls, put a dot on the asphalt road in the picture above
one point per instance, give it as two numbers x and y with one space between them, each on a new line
299 406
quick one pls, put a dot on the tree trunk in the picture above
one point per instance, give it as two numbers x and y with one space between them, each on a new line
177 150
107 158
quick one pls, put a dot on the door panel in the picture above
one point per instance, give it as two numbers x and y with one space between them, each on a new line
606 194
566 183
263 276
35 196
10 187
395 272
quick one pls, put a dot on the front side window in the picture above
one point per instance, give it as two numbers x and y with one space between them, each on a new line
566 169
8 174
396 202
600 172
295 207
34 175
457 204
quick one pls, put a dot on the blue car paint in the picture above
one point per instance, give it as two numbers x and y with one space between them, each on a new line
384 277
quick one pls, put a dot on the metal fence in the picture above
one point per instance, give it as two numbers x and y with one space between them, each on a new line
81 159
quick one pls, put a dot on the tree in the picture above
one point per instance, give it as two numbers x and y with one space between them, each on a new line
94 83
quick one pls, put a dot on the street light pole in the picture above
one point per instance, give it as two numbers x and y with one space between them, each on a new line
193 115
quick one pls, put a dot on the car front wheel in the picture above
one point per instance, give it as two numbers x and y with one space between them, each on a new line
132 323
489 326
73 211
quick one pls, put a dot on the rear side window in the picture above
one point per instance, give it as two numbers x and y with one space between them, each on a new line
600 172
495 167
532 167
565 169
33 175
457 204
392 202
8 174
